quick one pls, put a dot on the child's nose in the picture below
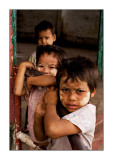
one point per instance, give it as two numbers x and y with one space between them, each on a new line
44 42
46 70
72 96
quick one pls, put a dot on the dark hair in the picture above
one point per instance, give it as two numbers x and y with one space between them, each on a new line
79 68
44 25
57 52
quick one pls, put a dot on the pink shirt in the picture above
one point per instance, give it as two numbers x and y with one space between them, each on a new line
34 98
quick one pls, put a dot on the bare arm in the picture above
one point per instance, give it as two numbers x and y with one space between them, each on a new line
19 89
43 80
54 126
39 122
39 130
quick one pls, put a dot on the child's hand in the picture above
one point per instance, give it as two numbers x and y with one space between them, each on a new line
40 109
27 64
51 96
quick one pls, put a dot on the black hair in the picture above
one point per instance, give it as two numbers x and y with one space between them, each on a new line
44 25
57 52
79 68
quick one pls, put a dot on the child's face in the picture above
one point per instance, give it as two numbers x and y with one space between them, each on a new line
74 95
47 64
46 37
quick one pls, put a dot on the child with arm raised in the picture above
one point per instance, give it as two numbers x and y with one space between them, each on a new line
76 79
48 57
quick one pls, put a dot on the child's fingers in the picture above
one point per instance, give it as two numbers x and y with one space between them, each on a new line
40 109
51 88
31 65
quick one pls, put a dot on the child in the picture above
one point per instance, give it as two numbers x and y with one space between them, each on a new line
48 57
45 35
76 79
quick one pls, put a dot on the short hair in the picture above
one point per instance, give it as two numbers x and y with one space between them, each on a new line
79 68
44 25
57 52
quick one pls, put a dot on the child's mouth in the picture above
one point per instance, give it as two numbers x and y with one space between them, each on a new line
72 106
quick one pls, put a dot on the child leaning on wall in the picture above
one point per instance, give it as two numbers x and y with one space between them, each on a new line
45 35
48 57
77 83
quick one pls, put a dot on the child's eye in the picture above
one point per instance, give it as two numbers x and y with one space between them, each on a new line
80 91
47 37
65 89
51 67
40 38
41 66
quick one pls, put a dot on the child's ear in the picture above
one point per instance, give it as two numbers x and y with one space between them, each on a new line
54 37
93 93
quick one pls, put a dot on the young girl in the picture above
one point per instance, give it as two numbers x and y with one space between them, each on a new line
76 79
47 59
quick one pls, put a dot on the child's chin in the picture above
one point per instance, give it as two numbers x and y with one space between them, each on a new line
72 109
